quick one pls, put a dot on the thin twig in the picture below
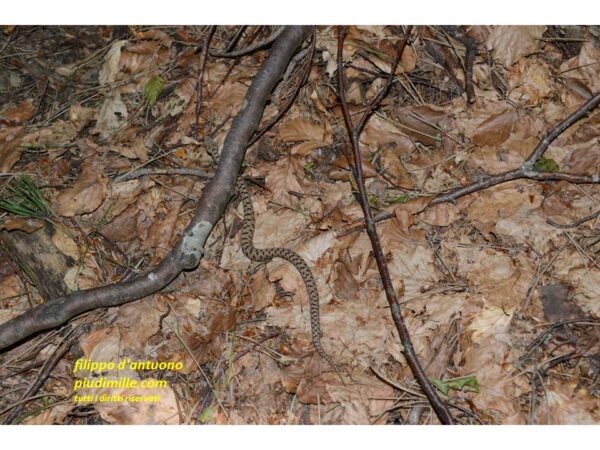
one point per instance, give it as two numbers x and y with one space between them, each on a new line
526 171
292 99
210 385
574 224
47 369
388 84
199 81
236 38
353 133
250 49
471 51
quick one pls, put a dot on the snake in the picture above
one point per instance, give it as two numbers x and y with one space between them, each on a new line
267 254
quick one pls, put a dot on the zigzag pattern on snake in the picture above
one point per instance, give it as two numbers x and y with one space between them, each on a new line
267 254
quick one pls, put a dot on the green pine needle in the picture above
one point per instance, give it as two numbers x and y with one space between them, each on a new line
23 198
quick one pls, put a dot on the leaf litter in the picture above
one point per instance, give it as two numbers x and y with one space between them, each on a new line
471 274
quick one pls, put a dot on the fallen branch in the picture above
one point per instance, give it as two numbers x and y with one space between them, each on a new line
354 133
526 171
210 207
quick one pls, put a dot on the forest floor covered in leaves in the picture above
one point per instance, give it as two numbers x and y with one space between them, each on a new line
501 298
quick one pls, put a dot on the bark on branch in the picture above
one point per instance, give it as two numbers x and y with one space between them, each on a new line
353 134
187 253
526 171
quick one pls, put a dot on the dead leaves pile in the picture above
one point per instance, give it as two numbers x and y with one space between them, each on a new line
470 273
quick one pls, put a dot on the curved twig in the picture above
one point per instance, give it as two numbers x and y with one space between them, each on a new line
210 207
574 224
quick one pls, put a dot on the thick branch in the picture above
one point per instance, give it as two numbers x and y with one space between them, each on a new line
409 352
210 207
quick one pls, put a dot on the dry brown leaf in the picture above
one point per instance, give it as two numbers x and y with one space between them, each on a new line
143 58
495 129
299 129
86 275
160 232
112 115
228 99
581 160
101 345
17 223
163 412
54 415
379 132
408 59
282 178
110 68
153 34
59 134
341 169
359 404
87 193
584 67
10 151
17 114
123 227
503 201
65 244
261 291
441 215
392 164
531 82
510 43
345 285
137 322
133 150
80 116
499 390
10 285
421 123
567 404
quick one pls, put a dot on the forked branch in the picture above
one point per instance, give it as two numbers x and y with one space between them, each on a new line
210 207
354 133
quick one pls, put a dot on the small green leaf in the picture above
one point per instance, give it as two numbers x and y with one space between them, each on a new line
206 415
154 86
546 165
468 384
402 198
